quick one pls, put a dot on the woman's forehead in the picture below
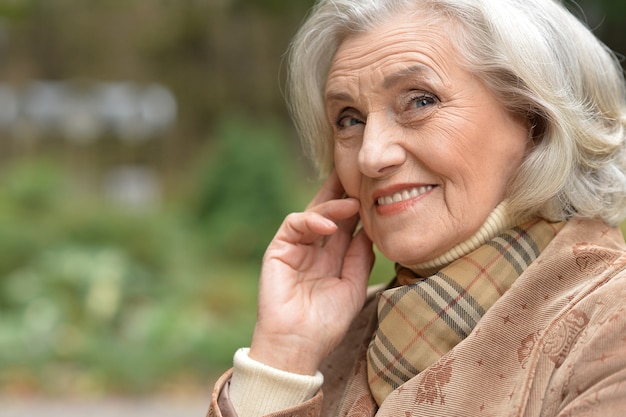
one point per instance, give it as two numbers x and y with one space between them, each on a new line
392 51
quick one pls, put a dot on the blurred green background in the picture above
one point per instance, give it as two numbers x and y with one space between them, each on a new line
146 159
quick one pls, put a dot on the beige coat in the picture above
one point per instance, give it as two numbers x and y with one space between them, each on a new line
553 345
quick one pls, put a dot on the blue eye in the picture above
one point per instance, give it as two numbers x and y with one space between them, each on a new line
347 121
422 100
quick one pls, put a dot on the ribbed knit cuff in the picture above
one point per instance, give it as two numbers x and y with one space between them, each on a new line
257 389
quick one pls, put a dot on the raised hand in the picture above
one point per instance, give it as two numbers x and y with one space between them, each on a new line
313 282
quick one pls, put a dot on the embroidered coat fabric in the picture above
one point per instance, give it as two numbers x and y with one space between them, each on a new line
553 345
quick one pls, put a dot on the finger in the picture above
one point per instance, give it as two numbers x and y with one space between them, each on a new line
305 228
330 190
345 215
358 262
340 240
325 219
337 210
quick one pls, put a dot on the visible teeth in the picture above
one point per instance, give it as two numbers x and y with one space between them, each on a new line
404 195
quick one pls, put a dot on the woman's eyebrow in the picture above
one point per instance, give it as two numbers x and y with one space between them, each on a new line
388 82
392 79
338 96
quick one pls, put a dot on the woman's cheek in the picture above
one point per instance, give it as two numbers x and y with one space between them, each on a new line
348 172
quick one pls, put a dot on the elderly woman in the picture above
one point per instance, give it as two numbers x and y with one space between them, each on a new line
480 144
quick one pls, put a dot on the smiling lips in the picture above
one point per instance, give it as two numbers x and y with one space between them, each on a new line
403 195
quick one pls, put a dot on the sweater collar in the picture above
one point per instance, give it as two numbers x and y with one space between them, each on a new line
498 220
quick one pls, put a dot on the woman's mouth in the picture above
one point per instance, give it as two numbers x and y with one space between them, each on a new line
403 195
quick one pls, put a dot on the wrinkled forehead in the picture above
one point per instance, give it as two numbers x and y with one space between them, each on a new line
401 46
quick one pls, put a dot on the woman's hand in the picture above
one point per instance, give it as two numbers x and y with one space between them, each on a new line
313 283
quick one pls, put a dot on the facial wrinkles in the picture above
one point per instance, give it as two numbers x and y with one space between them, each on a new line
361 66
453 124
462 142
360 57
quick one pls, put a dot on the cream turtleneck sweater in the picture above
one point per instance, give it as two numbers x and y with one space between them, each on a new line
498 221
257 389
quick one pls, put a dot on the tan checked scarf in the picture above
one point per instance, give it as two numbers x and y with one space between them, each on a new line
423 318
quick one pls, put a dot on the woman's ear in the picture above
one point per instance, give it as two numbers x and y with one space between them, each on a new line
536 125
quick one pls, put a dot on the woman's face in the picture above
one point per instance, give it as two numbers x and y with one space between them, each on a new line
420 141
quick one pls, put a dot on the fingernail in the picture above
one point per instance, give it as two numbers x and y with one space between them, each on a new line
329 223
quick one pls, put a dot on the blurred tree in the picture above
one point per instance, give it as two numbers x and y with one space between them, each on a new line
607 19
245 188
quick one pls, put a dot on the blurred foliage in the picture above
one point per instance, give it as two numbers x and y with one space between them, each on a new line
97 299
249 184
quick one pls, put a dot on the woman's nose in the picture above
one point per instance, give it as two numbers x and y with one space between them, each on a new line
381 151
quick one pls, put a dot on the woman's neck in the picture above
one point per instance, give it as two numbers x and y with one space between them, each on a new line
498 221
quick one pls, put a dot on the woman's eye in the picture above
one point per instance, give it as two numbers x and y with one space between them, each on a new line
422 100
347 121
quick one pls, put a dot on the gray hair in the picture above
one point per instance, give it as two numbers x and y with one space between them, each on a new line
536 57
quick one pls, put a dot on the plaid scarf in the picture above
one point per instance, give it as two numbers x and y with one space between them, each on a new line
423 318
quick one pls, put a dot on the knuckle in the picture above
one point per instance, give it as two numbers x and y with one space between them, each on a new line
293 217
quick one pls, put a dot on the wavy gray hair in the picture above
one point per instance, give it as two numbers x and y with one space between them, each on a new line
535 56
